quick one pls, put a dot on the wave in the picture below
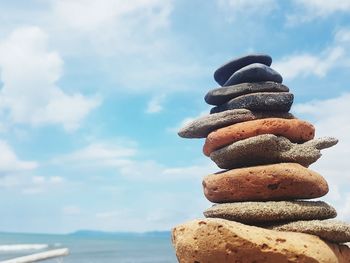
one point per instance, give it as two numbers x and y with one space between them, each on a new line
21 247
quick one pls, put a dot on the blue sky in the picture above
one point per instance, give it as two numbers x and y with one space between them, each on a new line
93 92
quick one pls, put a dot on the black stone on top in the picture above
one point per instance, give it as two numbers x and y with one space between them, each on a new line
256 72
223 73
224 94
264 101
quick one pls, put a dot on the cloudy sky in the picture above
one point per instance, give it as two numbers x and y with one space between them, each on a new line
93 92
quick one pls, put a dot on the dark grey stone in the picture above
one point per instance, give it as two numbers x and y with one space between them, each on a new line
254 73
271 211
223 73
201 127
221 95
270 149
263 101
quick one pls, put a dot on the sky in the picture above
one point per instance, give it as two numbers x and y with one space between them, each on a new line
92 94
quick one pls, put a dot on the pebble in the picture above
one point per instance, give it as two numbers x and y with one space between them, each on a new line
201 127
222 241
269 149
262 101
329 230
283 181
254 73
295 130
271 211
224 72
224 94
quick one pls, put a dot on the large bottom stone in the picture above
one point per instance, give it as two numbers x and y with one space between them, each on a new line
221 241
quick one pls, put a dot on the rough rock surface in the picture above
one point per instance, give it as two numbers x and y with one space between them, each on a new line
201 127
222 241
224 94
330 230
256 72
271 211
283 181
269 149
224 72
262 101
295 130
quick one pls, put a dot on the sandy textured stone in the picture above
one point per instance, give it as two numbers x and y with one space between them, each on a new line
269 149
262 101
224 94
271 211
295 130
282 181
222 241
201 127
224 72
330 230
256 72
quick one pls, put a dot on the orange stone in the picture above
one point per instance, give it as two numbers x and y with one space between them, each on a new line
282 181
295 130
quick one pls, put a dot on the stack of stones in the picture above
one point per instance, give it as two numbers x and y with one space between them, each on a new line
261 212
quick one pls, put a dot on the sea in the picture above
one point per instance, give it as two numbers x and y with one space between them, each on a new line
92 247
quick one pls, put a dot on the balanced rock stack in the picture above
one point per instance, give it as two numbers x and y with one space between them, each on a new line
261 212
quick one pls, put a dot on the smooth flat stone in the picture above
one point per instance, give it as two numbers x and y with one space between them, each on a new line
254 73
269 149
224 72
284 181
263 101
329 230
224 94
201 127
295 130
222 241
271 211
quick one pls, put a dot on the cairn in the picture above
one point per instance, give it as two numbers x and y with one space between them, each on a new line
262 211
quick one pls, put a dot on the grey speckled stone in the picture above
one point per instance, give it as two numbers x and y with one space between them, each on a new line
254 73
201 127
224 72
262 101
330 230
271 211
221 95
268 149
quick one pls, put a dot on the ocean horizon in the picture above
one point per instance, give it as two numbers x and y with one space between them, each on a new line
92 246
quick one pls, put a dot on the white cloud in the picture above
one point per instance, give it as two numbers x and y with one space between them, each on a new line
155 104
30 184
100 154
331 118
124 158
236 9
305 64
308 10
10 163
131 42
108 26
29 72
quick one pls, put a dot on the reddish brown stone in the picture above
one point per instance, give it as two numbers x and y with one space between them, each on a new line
295 130
266 182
